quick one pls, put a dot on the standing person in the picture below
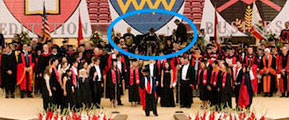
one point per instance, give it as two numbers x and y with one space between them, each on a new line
148 93
225 86
284 35
282 68
181 32
167 96
75 82
245 97
84 86
46 89
215 74
238 76
268 72
9 69
186 83
2 39
153 71
251 62
43 62
113 83
122 68
55 83
134 81
68 89
25 72
96 82
203 84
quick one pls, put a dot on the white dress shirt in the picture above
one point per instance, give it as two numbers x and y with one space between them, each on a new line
184 71
119 65
97 68
151 69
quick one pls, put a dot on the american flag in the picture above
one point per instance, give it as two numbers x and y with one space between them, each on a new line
45 26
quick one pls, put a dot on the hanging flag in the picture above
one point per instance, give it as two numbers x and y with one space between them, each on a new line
80 35
256 31
216 31
45 25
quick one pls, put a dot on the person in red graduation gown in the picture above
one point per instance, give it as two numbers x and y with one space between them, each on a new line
134 80
147 93
25 72
283 69
245 95
268 72
225 86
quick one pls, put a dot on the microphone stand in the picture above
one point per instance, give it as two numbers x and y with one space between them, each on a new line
115 98
179 92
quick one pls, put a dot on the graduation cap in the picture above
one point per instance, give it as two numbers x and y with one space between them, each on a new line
54 47
64 41
133 60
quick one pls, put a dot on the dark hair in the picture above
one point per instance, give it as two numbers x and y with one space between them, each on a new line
177 20
52 60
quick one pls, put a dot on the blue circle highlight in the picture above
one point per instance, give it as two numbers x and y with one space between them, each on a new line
150 11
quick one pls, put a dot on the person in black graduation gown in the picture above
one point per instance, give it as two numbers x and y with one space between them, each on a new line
149 42
213 88
203 83
186 83
284 35
68 89
181 32
148 93
134 80
55 53
224 84
131 37
238 80
55 83
154 72
43 62
121 65
167 94
96 82
8 69
75 82
113 83
84 86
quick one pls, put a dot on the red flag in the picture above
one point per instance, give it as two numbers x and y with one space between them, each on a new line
216 31
80 36
257 33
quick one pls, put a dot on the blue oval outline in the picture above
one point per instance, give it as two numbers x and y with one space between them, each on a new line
113 23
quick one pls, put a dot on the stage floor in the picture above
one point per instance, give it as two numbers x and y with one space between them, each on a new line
25 109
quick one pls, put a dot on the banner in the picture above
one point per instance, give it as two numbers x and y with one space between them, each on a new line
140 24
236 16
62 15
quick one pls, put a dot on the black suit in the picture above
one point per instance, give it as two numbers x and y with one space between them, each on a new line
95 85
181 32
186 93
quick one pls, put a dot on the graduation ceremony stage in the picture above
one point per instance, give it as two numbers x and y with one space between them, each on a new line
28 108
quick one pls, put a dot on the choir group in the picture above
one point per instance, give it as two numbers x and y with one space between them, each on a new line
82 76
